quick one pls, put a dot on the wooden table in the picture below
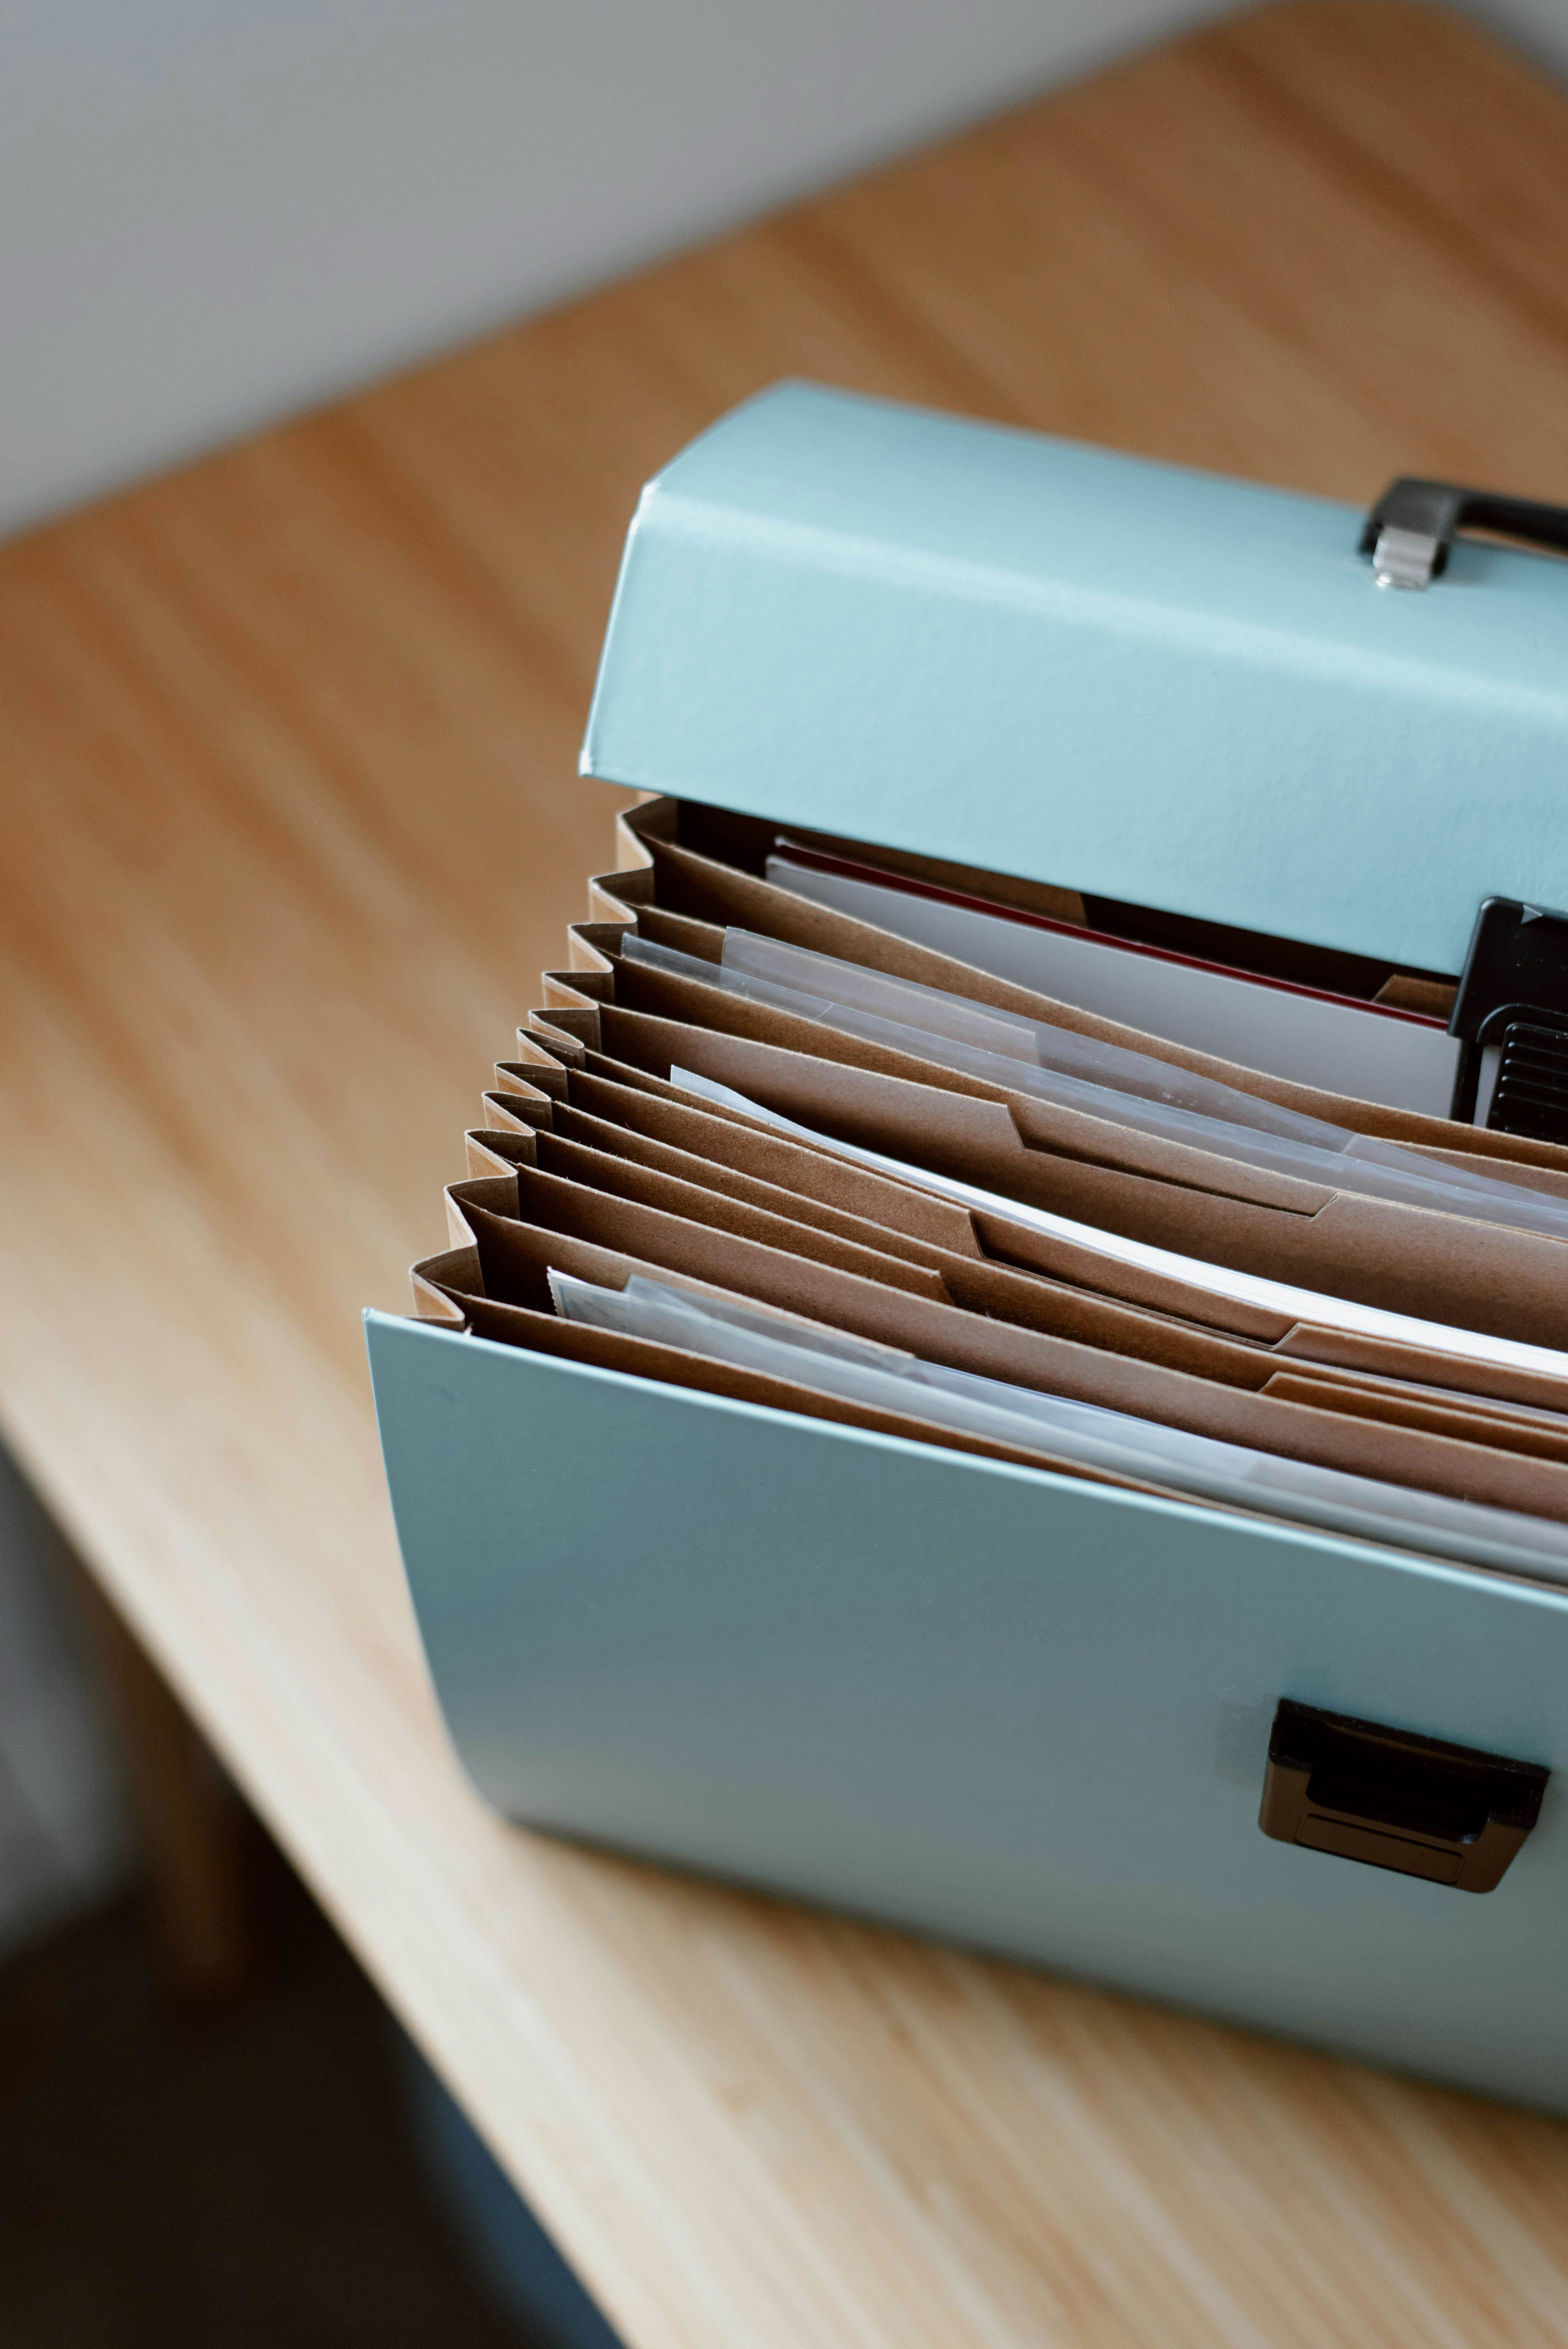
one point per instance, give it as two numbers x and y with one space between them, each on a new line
289 823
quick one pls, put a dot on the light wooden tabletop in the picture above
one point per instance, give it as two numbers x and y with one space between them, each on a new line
289 824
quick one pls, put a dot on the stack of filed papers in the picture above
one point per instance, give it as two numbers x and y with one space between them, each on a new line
1101 1080
728 1329
1312 1307
1372 1051
760 1148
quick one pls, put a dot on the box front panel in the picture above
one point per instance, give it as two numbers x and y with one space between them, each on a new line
995 1704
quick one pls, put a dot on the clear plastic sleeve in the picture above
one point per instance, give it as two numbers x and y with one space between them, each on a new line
859 1370
1105 1081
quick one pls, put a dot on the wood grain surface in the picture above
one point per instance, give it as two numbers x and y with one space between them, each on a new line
289 824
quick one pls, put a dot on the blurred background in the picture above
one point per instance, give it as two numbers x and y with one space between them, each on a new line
213 216
214 213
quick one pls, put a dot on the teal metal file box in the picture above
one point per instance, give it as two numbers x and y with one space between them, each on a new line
990 1703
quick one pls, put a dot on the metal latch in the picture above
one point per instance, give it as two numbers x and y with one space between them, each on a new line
1416 1806
1408 533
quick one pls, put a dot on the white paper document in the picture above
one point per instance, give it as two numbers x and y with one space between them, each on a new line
1105 1081
1366 1051
1246 1287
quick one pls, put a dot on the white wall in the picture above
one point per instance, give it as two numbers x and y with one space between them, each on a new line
1538 27
213 211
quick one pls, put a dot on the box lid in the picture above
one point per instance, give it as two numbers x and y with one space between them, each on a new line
1128 678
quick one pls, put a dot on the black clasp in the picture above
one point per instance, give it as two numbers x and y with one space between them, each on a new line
1513 1000
1448 1814
1410 531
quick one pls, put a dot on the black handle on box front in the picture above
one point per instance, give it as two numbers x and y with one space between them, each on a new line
1416 1806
